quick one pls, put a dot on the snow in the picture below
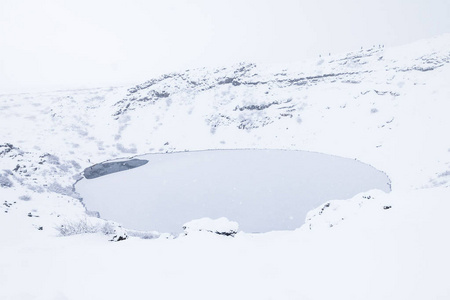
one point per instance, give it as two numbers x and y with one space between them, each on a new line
221 226
399 253
385 107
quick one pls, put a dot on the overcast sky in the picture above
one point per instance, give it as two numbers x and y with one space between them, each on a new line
47 45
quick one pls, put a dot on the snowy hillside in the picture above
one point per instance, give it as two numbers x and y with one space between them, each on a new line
385 107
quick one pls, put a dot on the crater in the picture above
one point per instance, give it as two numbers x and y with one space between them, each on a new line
262 190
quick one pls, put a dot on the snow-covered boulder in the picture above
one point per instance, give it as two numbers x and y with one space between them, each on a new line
221 226
120 234
115 231
334 212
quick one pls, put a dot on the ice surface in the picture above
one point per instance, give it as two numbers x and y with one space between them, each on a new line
262 190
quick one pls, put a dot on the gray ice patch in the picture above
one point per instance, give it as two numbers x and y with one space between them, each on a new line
106 168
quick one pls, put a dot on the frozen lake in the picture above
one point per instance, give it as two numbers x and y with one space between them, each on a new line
262 190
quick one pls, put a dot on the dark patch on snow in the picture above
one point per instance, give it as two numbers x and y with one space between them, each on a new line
444 174
25 198
255 107
324 207
122 148
226 233
5 182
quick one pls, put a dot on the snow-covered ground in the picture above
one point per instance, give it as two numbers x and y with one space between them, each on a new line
385 107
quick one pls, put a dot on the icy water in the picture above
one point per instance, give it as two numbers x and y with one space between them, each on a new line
262 190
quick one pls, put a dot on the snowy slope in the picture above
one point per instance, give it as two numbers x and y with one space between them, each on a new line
385 107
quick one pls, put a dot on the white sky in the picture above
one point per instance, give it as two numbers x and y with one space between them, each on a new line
47 45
